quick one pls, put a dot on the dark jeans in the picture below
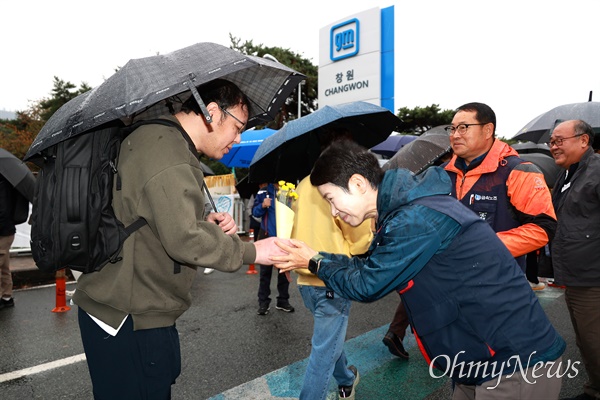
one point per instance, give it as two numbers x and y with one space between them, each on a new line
400 322
264 286
132 365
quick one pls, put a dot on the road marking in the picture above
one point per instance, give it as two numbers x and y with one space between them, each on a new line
9 376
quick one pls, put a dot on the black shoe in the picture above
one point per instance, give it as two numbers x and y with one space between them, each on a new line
394 345
347 392
263 309
287 307
7 303
582 396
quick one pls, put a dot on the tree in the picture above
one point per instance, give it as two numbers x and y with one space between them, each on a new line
62 92
420 119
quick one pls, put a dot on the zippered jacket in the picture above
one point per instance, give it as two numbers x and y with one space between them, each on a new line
577 240
465 295
511 195
162 183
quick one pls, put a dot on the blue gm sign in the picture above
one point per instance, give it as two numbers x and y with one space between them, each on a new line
344 40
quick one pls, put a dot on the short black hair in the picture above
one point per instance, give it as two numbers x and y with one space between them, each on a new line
223 92
342 159
483 113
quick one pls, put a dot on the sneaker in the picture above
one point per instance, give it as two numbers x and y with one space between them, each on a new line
7 303
347 392
537 286
208 271
263 309
394 345
285 307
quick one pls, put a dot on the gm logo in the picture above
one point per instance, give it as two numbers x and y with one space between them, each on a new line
344 40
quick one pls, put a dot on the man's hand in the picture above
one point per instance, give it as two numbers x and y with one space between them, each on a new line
297 254
224 220
266 249
266 202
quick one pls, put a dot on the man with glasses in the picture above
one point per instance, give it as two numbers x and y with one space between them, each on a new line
506 191
503 189
574 249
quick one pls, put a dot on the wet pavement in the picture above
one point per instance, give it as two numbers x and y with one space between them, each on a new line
228 351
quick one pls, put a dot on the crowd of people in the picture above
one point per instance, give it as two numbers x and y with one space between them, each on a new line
452 242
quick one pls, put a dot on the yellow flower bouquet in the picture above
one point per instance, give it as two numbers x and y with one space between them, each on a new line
284 215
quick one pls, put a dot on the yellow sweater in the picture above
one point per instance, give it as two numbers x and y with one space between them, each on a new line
314 225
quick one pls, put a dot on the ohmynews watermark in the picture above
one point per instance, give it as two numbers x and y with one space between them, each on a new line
506 369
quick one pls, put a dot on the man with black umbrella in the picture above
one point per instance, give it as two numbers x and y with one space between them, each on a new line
128 310
7 236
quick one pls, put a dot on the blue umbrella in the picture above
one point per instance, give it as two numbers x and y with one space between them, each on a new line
290 153
392 144
241 153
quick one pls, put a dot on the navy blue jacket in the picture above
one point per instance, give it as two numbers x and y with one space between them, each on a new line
267 215
466 297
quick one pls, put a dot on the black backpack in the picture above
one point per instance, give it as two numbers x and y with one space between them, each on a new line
73 223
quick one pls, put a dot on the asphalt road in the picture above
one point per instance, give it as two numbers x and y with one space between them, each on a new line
228 351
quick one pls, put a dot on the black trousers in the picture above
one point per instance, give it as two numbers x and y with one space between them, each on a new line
133 365
264 286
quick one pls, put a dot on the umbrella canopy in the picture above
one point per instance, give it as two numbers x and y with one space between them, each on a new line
290 153
241 153
530 147
422 152
546 164
17 173
392 144
144 82
540 128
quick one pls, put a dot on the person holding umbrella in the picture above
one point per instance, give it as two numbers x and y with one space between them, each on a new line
16 191
464 293
128 310
574 249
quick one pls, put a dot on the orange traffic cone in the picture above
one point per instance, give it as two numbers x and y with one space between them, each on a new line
251 269
61 287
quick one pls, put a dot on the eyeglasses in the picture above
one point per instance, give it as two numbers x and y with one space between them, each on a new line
460 128
234 117
559 141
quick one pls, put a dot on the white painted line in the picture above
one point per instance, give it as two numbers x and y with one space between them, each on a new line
9 376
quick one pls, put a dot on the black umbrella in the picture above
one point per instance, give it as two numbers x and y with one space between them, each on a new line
422 152
546 164
17 173
540 128
530 147
392 144
144 82
290 153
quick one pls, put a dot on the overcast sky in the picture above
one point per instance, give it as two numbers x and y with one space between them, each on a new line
520 57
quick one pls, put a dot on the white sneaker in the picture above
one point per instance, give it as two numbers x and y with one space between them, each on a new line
208 271
537 286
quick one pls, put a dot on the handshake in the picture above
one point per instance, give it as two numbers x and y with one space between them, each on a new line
285 254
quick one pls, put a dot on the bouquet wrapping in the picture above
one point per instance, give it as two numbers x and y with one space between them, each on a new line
284 215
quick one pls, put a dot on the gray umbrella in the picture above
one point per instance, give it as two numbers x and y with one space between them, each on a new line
17 173
145 82
546 164
530 147
422 152
540 128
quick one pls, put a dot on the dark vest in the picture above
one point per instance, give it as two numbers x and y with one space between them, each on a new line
473 298
488 198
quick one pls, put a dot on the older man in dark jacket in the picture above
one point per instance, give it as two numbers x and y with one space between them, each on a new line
576 199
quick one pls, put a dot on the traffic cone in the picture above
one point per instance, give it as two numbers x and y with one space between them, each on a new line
251 269
61 287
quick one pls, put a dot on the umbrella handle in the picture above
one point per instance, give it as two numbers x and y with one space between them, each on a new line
199 99
212 203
